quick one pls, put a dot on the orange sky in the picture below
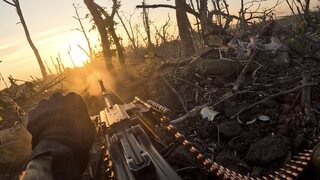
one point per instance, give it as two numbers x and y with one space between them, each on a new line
50 23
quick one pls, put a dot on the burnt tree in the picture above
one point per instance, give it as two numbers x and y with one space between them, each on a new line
110 25
16 4
146 24
100 23
184 26
184 29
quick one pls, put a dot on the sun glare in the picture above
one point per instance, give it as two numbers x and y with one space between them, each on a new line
77 55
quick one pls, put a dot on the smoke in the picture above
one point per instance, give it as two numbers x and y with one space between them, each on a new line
84 81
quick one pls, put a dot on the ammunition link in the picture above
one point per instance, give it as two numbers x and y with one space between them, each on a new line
109 173
220 171
159 107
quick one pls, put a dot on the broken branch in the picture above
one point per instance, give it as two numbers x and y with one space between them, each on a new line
244 71
271 97
189 82
10 3
177 94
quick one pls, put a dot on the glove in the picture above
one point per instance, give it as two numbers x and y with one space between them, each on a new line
61 127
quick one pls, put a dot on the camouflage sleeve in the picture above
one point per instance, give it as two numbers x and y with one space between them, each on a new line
38 169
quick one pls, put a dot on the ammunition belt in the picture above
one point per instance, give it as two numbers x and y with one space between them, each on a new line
291 170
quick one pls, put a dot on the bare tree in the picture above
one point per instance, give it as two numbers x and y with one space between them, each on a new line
131 35
100 24
55 66
61 63
184 26
146 23
249 13
162 31
79 19
80 47
59 66
302 9
45 62
69 52
217 20
16 4
110 25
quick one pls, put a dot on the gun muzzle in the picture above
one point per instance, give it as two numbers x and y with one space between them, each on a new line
106 95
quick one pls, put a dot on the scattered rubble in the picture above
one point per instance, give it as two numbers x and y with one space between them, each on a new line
267 94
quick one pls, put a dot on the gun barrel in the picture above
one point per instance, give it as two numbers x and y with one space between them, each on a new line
106 95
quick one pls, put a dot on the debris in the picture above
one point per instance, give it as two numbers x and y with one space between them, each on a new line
212 67
209 114
272 96
232 162
15 149
230 129
282 59
264 118
244 71
266 150
300 140
240 144
177 94
193 112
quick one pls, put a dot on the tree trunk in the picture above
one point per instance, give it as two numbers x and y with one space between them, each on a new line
184 29
147 26
119 47
204 20
35 50
108 22
102 31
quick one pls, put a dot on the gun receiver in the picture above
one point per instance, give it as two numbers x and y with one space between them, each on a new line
124 129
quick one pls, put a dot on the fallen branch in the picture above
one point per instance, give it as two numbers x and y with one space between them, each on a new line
193 112
177 94
190 83
237 93
244 71
52 83
271 97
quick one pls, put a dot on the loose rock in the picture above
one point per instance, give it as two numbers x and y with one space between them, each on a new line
268 149
230 129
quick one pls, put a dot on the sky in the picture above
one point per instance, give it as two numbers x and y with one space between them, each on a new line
51 25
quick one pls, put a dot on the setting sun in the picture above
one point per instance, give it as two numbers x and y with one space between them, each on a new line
77 55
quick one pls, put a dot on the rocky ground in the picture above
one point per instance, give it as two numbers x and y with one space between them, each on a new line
258 126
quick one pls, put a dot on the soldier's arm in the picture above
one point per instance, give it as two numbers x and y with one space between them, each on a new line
60 148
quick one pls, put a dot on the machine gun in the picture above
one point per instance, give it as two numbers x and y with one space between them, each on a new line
124 150
127 151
